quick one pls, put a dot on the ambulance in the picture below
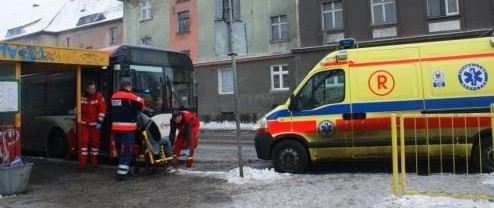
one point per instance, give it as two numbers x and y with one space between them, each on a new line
342 109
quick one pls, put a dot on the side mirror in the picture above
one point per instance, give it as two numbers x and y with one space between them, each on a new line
293 105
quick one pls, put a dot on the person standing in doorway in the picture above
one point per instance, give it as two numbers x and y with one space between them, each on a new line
125 107
93 110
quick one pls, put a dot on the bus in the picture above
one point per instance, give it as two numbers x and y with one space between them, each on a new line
163 78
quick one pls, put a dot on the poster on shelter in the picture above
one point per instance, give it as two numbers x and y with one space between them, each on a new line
9 96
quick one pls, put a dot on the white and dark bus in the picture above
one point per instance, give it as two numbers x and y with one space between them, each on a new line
162 77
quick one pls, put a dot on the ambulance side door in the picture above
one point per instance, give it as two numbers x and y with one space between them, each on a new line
383 82
320 103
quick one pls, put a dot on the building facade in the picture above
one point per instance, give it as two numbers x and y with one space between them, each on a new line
384 22
264 32
278 41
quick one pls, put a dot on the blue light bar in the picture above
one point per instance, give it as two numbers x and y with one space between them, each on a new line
347 43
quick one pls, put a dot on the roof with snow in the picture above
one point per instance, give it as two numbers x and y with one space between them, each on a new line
58 16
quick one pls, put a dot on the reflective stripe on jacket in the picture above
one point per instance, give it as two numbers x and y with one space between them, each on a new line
125 107
93 109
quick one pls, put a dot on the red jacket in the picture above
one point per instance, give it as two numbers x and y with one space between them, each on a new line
93 109
125 108
187 128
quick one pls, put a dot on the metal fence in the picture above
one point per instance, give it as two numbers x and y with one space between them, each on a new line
444 155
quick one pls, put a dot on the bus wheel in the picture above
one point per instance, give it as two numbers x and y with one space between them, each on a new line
485 158
57 146
290 157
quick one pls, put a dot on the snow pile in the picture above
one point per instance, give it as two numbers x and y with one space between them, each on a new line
489 179
227 125
251 175
427 201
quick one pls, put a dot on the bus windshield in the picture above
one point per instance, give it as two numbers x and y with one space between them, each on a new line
162 88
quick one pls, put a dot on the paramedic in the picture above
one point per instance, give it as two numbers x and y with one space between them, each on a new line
93 110
125 106
185 143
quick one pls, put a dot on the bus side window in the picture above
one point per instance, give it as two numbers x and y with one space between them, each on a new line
323 88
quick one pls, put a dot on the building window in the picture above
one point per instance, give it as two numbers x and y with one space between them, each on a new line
383 12
88 19
332 15
112 35
221 10
146 40
180 1
183 22
442 8
279 28
67 41
145 10
279 77
225 81
15 31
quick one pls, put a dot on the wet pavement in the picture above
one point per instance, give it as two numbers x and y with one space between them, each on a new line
57 183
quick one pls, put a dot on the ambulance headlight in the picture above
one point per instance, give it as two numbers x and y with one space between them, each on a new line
262 125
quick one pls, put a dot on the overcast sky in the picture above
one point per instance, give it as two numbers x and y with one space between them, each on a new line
8 7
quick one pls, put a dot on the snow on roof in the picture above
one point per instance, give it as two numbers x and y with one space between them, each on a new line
59 15
30 20
74 10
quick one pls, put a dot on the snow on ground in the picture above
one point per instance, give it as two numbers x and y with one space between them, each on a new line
227 125
429 202
266 188
251 175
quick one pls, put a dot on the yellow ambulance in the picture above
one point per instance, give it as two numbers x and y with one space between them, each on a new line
342 108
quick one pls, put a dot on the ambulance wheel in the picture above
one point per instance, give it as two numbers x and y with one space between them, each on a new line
290 157
485 158
57 146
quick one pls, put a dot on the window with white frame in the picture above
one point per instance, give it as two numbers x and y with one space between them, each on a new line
332 15
383 12
442 8
225 81
279 28
279 77
112 35
183 22
145 9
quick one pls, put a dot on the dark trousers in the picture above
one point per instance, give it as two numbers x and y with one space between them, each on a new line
124 141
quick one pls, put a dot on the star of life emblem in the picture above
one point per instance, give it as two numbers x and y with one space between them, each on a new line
326 128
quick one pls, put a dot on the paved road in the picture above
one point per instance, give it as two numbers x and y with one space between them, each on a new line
57 183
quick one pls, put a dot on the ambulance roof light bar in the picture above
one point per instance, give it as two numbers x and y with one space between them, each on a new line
347 43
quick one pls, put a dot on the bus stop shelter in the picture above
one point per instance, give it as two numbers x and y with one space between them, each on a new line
16 59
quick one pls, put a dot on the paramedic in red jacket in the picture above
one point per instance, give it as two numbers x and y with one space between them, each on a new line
186 141
125 106
93 110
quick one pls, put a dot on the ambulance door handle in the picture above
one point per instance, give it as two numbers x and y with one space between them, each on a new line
354 116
